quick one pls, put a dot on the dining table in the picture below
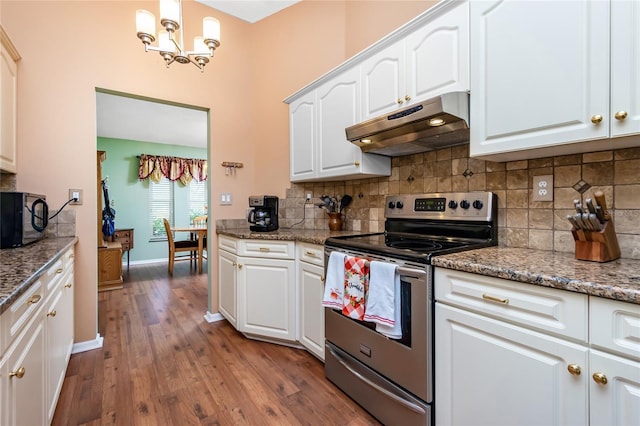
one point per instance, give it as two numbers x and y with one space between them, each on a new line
200 232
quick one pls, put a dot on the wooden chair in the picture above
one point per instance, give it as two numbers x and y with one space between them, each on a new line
201 221
179 246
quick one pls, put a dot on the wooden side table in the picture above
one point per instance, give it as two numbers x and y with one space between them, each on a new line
110 267
125 238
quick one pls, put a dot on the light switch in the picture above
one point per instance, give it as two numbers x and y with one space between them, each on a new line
225 199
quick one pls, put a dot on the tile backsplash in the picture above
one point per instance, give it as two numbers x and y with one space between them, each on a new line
522 221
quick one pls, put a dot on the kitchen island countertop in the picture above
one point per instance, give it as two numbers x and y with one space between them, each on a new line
20 267
618 279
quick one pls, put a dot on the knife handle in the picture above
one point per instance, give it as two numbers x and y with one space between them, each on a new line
602 202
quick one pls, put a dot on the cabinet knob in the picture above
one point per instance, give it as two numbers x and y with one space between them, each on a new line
600 378
356 163
323 279
400 101
239 265
621 115
596 119
52 313
407 98
59 271
17 374
34 299
574 369
67 285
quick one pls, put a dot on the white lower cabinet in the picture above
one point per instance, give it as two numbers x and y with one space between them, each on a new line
257 287
38 328
511 353
490 372
310 262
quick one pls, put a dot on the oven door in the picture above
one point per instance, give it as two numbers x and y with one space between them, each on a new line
407 362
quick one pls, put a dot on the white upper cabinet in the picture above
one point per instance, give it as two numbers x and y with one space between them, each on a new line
8 95
302 137
541 73
432 60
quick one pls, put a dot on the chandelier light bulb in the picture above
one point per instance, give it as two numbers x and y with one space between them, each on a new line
199 47
170 10
211 29
164 42
146 23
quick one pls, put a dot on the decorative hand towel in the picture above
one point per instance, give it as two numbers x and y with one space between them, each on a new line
334 283
385 299
382 296
356 286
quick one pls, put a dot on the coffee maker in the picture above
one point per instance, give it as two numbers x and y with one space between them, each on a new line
263 213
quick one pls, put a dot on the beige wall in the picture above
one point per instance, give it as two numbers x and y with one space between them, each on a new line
69 48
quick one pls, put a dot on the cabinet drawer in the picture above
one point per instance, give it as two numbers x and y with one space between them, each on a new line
615 326
310 253
21 311
555 311
267 248
122 235
228 243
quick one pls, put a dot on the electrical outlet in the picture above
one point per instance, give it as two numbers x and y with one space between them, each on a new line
308 200
225 199
543 188
76 193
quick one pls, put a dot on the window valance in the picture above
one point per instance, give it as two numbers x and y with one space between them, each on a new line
173 168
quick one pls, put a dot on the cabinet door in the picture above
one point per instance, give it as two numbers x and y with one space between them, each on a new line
59 330
338 104
302 134
540 73
311 311
383 81
625 67
8 96
490 372
23 398
438 55
227 296
617 402
266 295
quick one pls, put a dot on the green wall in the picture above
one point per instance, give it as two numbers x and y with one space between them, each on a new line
130 196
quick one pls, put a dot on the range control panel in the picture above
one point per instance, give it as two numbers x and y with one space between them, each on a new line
445 206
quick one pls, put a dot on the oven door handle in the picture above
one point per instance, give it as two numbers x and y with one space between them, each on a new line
413 273
387 393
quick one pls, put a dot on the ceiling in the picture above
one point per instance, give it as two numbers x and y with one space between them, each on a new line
249 10
122 117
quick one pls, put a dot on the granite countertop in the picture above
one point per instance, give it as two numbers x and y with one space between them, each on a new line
20 267
313 236
618 279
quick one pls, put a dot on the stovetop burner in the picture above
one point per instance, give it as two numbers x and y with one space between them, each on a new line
418 227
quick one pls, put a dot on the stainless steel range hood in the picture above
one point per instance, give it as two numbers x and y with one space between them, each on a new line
432 124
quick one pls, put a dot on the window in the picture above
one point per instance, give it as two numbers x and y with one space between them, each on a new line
160 206
197 199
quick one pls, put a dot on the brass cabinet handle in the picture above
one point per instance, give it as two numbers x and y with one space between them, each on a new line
495 299
17 374
59 271
265 249
234 264
596 119
68 285
323 279
34 299
621 115
400 101
52 313
356 163
407 98
600 378
574 369
310 253
239 265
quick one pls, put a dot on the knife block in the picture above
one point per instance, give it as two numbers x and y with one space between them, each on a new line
597 246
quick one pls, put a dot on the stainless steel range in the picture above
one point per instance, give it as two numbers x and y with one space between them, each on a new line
393 378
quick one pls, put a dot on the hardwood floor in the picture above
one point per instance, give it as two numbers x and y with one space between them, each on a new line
163 364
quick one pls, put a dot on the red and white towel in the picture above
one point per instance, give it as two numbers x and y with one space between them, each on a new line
356 286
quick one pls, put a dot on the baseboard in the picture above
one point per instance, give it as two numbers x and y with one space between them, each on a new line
209 317
88 345
146 261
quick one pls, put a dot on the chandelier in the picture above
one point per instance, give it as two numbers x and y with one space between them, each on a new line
171 45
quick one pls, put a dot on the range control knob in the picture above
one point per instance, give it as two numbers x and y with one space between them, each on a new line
464 204
453 204
477 204
392 205
399 204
